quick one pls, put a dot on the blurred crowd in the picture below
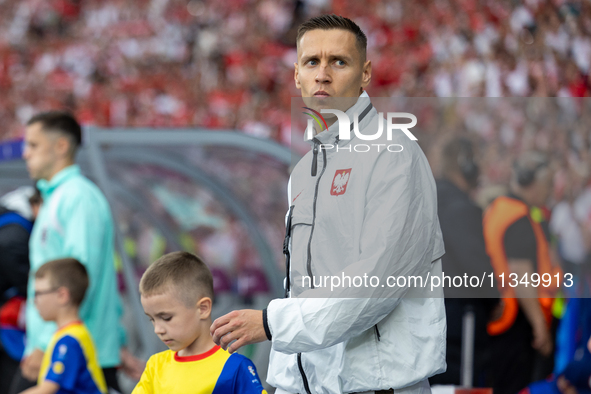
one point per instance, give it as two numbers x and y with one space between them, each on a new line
229 64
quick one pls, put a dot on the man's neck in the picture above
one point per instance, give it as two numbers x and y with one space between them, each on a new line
459 181
521 194
58 168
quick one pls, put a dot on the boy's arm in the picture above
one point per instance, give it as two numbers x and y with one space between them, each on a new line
247 379
145 385
46 387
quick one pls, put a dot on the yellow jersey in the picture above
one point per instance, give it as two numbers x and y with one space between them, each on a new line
213 372
70 360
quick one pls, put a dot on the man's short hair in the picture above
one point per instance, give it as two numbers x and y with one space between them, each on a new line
330 22
60 122
527 167
68 273
458 157
181 272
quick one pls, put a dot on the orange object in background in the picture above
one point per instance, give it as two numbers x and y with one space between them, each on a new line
480 390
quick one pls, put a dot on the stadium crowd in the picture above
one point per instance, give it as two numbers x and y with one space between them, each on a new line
226 64
203 63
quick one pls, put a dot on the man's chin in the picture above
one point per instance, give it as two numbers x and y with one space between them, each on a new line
318 103
33 174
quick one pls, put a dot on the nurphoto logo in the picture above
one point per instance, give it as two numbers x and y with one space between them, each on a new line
345 122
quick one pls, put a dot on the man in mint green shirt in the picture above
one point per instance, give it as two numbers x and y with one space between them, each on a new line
74 221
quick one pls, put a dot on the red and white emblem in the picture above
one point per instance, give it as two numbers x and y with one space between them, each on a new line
339 183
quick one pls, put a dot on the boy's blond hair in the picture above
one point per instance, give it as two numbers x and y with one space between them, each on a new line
181 272
68 273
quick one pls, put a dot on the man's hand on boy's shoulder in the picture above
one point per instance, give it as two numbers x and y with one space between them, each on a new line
243 326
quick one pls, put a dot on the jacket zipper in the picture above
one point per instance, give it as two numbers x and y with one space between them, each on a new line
314 167
377 332
286 252
314 171
309 263
304 378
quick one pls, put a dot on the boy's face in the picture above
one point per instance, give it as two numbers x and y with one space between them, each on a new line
46 299
175 323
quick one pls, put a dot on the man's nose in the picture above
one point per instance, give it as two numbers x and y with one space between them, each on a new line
323 75
26 152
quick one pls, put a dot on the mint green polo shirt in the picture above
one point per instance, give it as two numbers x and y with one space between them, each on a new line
75 221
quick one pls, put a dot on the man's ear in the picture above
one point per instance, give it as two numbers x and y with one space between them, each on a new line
63 146
204 306
366 76
296 75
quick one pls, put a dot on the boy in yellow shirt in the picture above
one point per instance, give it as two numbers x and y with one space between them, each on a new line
177 293
70 364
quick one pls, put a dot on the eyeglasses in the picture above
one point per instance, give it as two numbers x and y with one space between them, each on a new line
40 293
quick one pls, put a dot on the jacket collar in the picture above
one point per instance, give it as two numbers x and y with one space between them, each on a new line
329 135
46 188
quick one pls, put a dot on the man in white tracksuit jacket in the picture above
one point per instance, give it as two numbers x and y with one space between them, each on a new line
353 213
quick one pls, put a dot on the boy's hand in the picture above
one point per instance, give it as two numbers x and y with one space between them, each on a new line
245 326
46 387
31 365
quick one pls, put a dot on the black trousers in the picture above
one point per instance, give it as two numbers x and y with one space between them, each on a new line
20 383
8 368
516 364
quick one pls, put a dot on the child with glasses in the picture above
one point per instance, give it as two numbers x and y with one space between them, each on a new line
70 363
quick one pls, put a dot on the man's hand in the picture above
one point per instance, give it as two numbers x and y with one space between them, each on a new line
565 387
542 340
131 365
528 301
31 365
244 326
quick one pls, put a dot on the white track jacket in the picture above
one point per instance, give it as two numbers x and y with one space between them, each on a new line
372 213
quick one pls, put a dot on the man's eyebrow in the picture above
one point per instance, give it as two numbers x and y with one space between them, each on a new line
305 58
341 57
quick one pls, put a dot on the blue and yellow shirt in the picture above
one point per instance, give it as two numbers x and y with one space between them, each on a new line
213 372
75 221
71 361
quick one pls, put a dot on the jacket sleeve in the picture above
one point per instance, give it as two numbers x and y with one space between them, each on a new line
84 234
88 233
397 239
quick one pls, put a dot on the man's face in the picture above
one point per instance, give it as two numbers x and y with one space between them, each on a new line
174 322
40 152
330 66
